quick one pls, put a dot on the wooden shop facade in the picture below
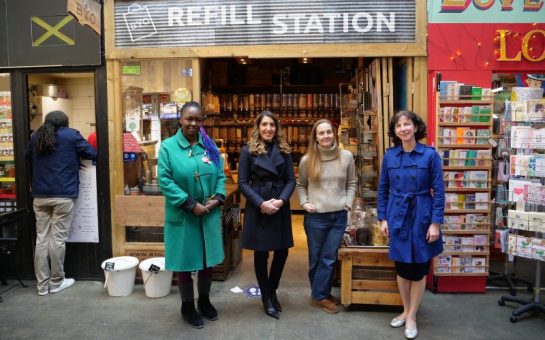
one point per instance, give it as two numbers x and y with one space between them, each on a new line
354 62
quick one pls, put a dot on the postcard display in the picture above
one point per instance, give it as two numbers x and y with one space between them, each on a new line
524 139
464 127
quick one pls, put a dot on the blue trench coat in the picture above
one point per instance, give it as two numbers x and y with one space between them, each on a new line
190 240
406 203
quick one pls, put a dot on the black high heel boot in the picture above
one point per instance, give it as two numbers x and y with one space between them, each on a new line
268 306
276 303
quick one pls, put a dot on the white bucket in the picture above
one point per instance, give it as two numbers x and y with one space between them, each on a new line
120 279
156 284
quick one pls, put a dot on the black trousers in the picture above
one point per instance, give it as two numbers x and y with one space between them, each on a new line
269 280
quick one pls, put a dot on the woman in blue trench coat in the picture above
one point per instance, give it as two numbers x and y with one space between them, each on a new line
190 174
411 201
266 178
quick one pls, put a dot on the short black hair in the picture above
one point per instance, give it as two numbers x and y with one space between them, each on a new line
417 121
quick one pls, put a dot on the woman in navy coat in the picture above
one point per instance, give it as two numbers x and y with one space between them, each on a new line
411 201
267 180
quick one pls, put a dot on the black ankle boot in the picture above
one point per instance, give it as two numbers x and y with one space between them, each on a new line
269 307
190 315
276 303
206 309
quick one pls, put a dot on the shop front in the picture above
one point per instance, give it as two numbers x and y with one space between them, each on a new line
482 61
353 62
49 61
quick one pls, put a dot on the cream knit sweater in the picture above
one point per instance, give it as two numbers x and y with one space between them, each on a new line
337 184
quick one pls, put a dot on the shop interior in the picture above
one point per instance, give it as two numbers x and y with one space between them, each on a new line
234 90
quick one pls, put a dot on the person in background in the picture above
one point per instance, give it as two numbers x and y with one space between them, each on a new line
54 152
411 202
190 175
92 139
266 178
326 188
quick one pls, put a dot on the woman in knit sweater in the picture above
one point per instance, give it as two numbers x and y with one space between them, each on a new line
326 187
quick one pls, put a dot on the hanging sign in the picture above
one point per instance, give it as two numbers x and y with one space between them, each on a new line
160 23
87 12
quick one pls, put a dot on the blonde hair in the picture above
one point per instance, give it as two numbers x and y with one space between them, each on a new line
314 161
256 144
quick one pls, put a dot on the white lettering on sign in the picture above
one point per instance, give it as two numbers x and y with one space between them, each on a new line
360 22
139 22
283 23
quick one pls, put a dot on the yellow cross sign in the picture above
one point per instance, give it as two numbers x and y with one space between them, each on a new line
53 31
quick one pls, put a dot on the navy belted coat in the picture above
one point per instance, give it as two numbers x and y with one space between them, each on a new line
260 178
406 202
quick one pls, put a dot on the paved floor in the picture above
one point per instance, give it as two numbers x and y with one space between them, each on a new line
85 311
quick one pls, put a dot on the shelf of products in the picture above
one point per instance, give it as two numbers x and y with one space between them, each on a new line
7 163
464 127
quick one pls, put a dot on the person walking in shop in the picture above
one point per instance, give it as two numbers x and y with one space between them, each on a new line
326 188
411 201
190 175
267 180
54 152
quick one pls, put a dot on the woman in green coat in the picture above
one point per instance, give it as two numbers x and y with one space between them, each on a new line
190 173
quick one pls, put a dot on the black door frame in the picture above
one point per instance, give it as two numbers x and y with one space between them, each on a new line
82 259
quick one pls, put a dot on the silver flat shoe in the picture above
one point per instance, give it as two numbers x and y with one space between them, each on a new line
411 333
396 323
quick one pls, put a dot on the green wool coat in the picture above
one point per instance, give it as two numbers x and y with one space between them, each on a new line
191 242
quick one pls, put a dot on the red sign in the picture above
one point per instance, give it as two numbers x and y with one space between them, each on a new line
500 46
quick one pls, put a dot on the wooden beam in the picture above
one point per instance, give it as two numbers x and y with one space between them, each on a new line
377 298
382 285
108 27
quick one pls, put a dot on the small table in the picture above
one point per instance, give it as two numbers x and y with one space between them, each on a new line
368 277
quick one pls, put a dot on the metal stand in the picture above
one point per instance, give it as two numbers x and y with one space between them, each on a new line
511 282
532 305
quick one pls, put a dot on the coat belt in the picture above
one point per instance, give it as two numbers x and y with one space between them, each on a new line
399 228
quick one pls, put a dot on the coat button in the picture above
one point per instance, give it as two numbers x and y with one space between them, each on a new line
413 177
397 176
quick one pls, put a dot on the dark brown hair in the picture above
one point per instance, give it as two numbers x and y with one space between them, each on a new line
417 121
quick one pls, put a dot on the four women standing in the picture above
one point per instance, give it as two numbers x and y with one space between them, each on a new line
326 188
267 180
192 180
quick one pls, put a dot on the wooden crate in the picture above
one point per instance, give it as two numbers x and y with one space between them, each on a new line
368 277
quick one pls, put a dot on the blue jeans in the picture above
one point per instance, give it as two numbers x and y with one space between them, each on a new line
324 235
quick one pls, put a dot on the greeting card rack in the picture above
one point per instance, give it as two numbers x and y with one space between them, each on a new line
526 224
464 126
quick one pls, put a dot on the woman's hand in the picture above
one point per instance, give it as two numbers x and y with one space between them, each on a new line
278 203
211 204
384 228
200 210
433 233
268 207
309 207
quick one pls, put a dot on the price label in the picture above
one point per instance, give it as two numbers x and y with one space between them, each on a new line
154 269
109 266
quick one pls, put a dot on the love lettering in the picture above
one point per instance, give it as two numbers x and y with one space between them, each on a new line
524 48
458 6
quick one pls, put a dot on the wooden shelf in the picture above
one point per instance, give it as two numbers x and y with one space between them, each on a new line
455 124
464 232
460 274
465 101
469 253
464 146
467 211
465 168
468 190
